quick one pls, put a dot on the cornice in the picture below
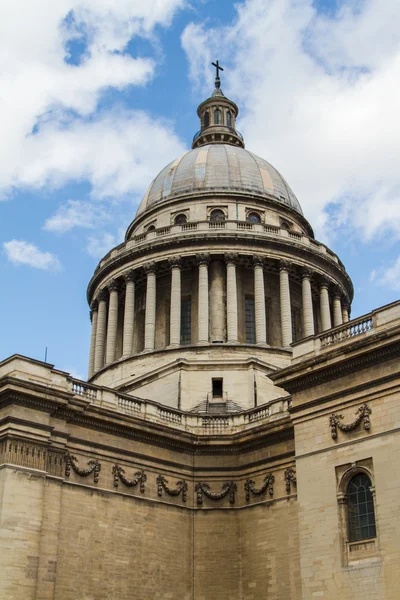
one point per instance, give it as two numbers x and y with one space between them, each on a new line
321 369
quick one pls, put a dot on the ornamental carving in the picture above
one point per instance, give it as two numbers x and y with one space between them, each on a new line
203 489
175 262
362 415
113 286
181 488
284 265
290 478
268 484
139 478
93 466
130 276
231 258
150 268
203 259
258 261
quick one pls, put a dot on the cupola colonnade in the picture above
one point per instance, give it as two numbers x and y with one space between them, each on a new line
211 299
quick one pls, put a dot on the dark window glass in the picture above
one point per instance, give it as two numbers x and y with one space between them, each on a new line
206 120
253 217
360 509
217 388
217 215
180 219
217 117
151 228
250 320
285 225
295 321
229 118
186 321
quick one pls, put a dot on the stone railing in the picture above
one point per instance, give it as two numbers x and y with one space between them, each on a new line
225 227
83 389
346 331
375 321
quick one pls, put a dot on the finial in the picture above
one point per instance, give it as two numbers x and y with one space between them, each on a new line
217 78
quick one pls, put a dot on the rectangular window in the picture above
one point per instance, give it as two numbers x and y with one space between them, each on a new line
250 321
217 388
295 324
186 321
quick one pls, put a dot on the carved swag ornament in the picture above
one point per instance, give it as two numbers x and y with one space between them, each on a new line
290 478
181 488
93 466
140 478
203 489
362 414
268 484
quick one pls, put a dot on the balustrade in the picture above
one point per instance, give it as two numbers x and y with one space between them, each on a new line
346 331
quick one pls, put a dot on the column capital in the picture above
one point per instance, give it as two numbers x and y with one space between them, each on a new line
336 292
149 267
175 263
324 282
130 275
258 261
284 265
113 286
203 259
231 258
306 272
102 295
93 306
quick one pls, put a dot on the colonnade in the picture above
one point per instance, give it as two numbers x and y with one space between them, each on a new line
213 318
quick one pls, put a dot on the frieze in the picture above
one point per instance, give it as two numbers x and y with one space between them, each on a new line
362 415
249 487
203 489
181 488
139 478
290 478
93 466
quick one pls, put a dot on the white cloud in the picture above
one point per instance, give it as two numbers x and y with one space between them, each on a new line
319 98
99 245
76 213
48 104
389 276
20 252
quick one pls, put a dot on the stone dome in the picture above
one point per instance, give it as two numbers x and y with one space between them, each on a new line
219 168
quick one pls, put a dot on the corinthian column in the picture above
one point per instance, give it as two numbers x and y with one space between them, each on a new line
337 309
175 314
112 323
324 306
308 315
217 301
345 313
259 301
286 310
150 314
203 317
101 331
129 314
93 318
231 298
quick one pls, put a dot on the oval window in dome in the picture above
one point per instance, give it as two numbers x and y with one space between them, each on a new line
180 219
217 215
253 217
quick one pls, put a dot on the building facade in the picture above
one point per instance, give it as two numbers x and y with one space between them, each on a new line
237 435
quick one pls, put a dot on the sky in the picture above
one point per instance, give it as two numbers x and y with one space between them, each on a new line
97 96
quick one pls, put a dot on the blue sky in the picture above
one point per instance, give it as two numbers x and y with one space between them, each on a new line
86 88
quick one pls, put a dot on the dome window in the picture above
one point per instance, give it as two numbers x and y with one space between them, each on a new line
206 120
253 217
286 225
229 118
151 228
180 219
217 117
217 215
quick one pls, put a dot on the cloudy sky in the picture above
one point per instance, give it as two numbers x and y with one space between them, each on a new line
97 96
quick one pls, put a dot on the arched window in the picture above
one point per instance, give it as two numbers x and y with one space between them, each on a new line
180 219
217 117
151 228
229 118
253 217
285 225
217 215
360 509
206 120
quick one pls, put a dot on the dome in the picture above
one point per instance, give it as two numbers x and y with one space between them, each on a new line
218 167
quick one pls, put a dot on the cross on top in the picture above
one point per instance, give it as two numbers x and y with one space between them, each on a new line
218 69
